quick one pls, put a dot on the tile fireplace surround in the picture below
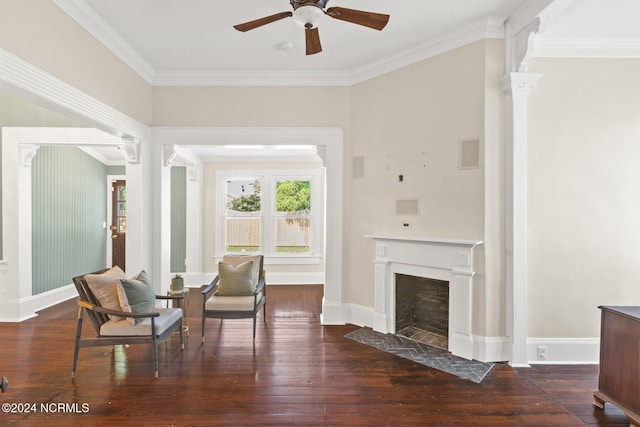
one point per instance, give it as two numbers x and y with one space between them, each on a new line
441 259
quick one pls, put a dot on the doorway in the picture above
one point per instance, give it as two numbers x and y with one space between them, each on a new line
118 226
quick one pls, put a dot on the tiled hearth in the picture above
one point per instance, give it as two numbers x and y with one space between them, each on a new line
424 354
429 338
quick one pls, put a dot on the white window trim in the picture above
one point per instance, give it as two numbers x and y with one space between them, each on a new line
268 179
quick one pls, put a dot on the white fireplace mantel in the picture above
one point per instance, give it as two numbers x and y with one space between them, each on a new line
450 260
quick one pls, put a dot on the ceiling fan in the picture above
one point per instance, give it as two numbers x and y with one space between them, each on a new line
309 12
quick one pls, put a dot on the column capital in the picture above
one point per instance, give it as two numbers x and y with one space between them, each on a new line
131 149
27 153
523 43
519 83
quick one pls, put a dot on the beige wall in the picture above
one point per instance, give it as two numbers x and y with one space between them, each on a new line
424 108
251 106
42 34
584 182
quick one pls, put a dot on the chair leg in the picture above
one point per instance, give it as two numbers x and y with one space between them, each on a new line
255 318
181 333
154 343
76 348
203 319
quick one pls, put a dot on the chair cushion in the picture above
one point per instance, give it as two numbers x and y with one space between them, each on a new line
124 328
104 287
244 303
136 296
236 260
235 281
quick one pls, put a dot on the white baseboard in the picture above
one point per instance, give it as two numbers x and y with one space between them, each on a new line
310 278
26 308
569 351
491 349
333 313
359 315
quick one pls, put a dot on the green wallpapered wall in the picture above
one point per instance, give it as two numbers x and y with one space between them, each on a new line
178 219
68 211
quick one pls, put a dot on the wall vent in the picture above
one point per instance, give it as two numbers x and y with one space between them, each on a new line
407 207
358 167
469 153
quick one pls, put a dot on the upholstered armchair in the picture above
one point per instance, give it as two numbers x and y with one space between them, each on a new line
123 311
237 292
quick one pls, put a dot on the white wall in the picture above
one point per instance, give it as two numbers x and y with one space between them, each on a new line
584 187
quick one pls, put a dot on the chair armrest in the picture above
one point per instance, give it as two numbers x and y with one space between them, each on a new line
170 297
97 308
210 286
259 287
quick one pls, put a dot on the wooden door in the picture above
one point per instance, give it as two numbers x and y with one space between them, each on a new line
118 222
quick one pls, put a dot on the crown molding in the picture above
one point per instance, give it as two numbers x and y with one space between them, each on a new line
491 27
581 48
96 26
252 78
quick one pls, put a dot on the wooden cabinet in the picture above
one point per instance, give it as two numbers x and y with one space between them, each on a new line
619 381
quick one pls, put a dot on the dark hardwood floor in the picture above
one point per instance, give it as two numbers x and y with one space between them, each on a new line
298 373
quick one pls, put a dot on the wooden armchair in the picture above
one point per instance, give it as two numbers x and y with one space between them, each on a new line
221 299
115 326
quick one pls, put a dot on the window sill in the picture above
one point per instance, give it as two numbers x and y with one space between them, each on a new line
285 260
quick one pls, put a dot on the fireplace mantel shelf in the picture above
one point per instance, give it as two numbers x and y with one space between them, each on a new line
427 240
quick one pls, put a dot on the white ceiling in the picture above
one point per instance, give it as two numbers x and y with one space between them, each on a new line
173 42
195 37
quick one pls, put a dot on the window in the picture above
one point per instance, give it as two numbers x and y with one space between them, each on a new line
243 215
292 216
271 212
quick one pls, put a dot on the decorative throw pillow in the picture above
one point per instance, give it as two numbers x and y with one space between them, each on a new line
143 277
104 287
135 296
236 260
235 281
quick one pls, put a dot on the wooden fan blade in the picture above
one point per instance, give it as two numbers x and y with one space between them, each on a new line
377 21
262 21
313 41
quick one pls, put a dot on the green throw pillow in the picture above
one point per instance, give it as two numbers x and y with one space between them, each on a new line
140 297
143 277
235 281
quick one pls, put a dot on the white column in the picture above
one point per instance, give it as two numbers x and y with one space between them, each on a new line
193 262
15 274
517 87
332 307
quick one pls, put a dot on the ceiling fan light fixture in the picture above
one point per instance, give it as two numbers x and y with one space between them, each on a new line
308 16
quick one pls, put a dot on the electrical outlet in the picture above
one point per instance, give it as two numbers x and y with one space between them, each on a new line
542 352
406 224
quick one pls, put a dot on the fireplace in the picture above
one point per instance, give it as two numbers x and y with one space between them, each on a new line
422 310
444 260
